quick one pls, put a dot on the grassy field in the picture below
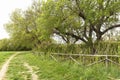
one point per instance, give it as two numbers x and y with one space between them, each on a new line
4 56
47 69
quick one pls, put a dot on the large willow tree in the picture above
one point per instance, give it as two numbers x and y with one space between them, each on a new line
84 20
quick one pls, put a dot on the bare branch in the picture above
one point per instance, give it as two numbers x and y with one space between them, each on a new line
70 34
76 37
112 27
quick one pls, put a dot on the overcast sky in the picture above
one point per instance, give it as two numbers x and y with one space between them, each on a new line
6 8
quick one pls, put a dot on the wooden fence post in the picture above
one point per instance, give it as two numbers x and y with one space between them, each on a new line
106 61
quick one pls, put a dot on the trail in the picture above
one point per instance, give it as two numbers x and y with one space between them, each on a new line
33 74
5 67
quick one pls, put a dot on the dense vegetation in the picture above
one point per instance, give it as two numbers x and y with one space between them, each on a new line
70 21
13 45
47 69
63 26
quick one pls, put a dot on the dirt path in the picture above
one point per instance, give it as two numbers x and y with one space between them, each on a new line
33 74
5 67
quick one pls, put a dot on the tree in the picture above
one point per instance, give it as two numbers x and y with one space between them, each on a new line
23 27
85 20
16 29
73 20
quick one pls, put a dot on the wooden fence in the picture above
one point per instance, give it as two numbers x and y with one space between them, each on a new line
85 59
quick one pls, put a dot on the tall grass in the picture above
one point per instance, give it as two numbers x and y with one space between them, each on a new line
51 70
100 48
48 69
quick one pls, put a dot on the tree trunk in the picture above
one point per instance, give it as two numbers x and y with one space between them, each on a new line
91 46
92 49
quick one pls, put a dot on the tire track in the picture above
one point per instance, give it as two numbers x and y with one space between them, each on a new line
33 74
5 67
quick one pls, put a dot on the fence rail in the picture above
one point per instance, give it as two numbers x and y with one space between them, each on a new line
62 54
105 58
91 59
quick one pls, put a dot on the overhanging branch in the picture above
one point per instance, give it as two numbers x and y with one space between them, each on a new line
112 27
70 34
76 37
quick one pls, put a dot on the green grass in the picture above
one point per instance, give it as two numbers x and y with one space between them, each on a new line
47 69
51 70
16 70
4 56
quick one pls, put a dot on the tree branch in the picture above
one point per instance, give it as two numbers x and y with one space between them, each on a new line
81 14
76 37
70 34
112 27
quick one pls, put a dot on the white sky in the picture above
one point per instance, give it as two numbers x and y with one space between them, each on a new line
6 8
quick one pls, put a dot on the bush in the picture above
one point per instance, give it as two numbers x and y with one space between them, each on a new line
8 45
100 48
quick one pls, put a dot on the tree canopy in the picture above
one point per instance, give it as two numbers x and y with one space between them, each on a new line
72 20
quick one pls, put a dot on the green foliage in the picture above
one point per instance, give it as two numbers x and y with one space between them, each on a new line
102 47
110 48
23 27
12 45
56 48
72 20
48 69
75 18
75 21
